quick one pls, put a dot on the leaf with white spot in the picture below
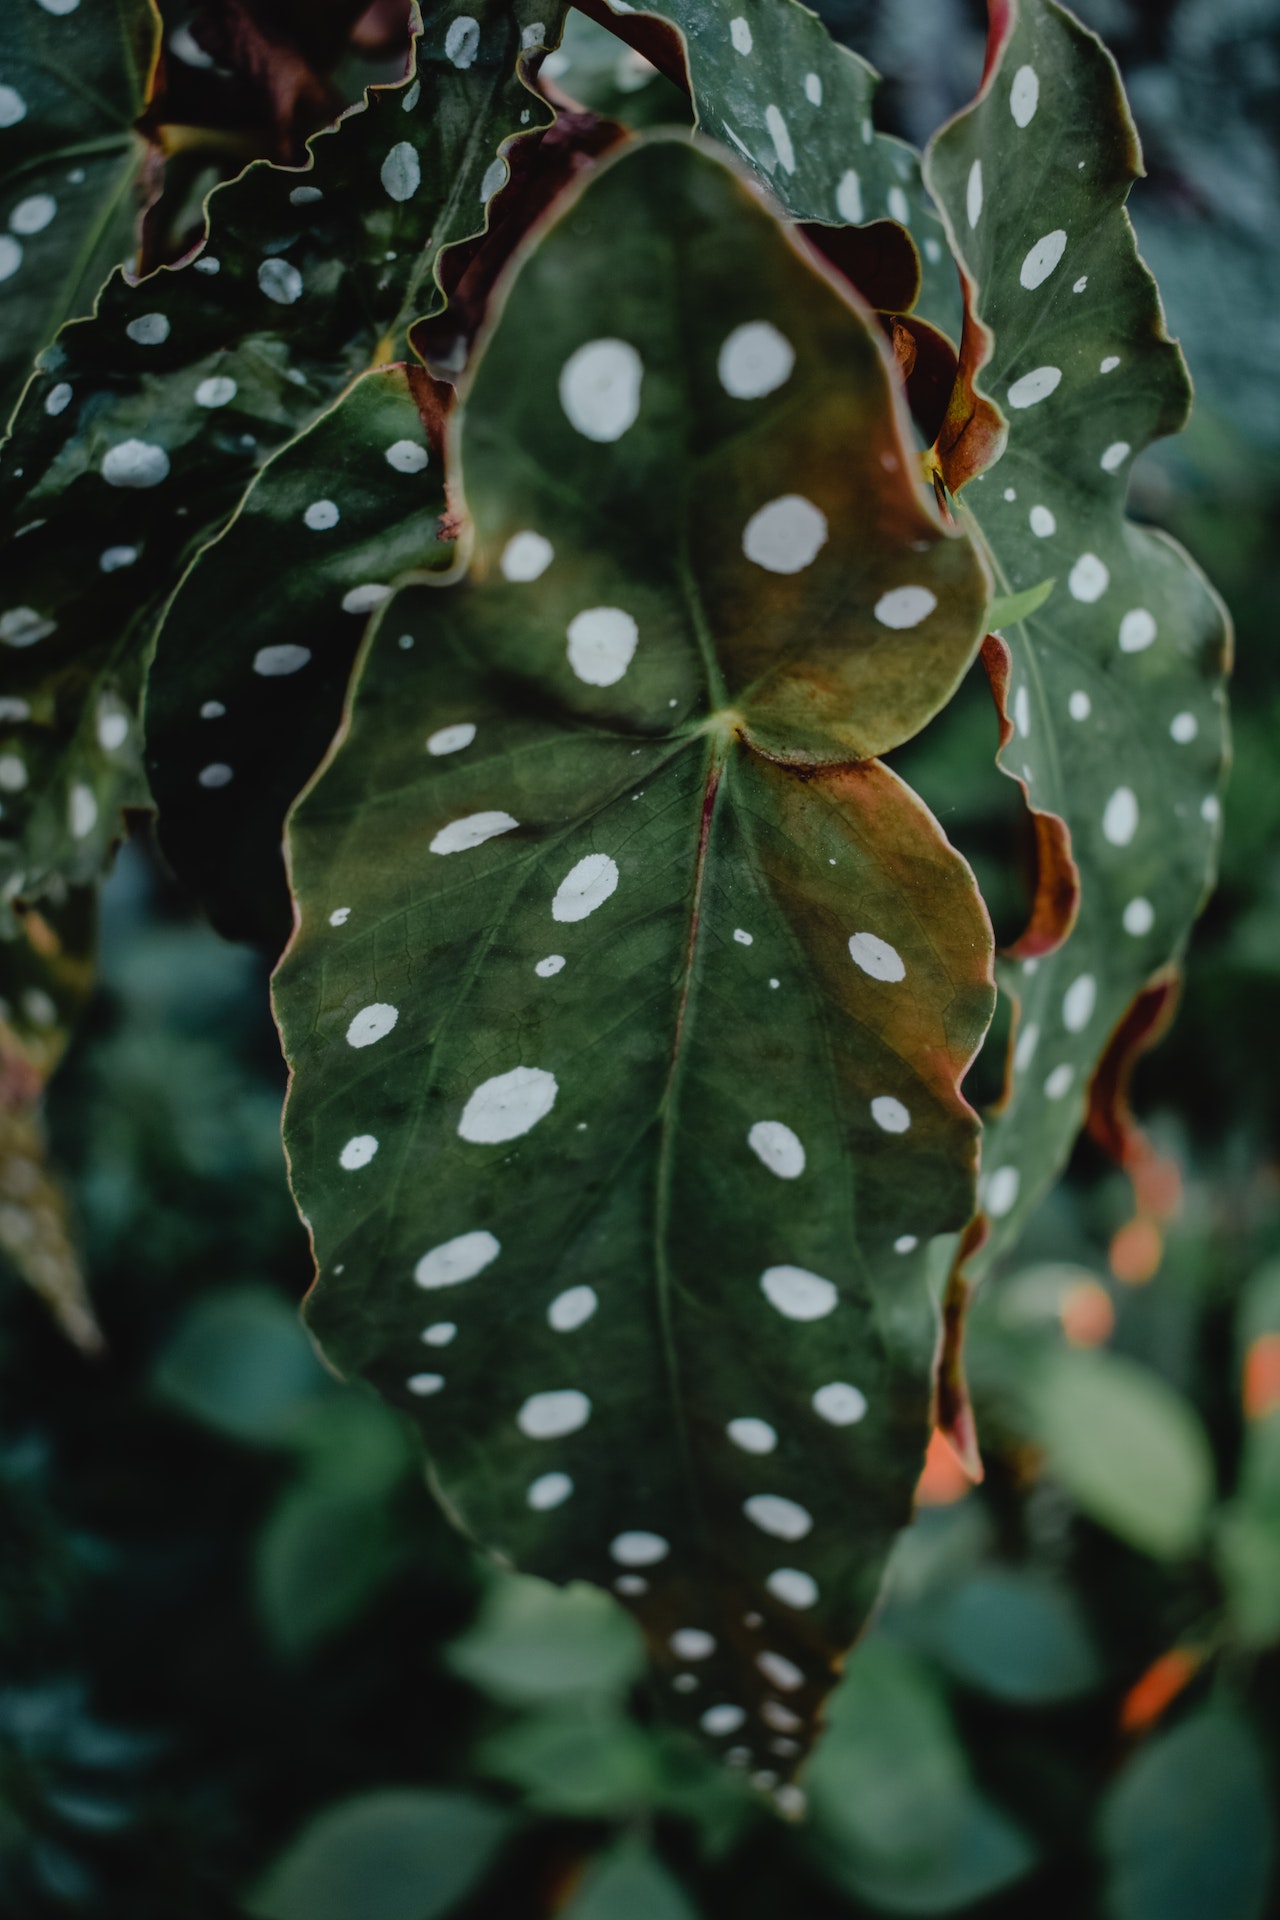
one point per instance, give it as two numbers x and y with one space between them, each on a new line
1112 689
257 645
134 441
771 85
72 83
676 1182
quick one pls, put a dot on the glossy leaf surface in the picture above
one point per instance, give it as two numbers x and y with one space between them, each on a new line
145 424
72 82
251 667
1114 685
626 1009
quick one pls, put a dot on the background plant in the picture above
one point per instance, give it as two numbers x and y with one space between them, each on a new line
559 1724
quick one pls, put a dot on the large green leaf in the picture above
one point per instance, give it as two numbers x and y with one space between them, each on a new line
72 82
1114 685
143 426
625 988
255 652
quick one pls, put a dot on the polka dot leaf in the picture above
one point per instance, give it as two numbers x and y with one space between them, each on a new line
1111 691
68 161
347 507
141 427
630 995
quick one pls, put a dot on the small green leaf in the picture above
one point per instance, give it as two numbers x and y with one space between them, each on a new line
1129 1450
600 854
1189 1828
241 1362
586 1765
895 1818
1114 687
1012 1634
69 163
1008 608
533 1643
403 1853
319 1559
630 1884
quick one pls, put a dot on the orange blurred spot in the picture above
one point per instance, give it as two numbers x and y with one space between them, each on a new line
943 1480
1087 1315
1136 1252
1159 1687
1262 1377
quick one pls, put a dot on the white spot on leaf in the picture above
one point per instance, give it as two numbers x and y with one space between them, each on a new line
372 1023
1043 258
798 1294
321 515
781 139
890 1114
585 887
1078 1003
904 607
456 1260
774 1514
1139 918
280 281
840 1404
849 198
149 329
973 194
274 662
1042 522
1024 95
600 389
547 1416
526 556
1034 387
1137 631
1115 456
549 1490
572 1309
1120 817
755 359
876 957
451 739
135 463
786 535
216 391
1002 1191
638 1548
752 1435
602 643
547 969
472 830
1088 579
740 35
777 1148
358 1152
795 1589
508 1105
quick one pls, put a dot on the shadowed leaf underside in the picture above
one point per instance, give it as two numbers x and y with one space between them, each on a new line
630 995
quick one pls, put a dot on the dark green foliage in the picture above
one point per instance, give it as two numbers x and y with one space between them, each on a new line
653 744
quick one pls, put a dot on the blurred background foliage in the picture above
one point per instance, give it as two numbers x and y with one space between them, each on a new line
247 1668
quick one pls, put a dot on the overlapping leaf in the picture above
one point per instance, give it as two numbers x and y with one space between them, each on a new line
771 84
629 995
142 426
251 668
72 83
1114 684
